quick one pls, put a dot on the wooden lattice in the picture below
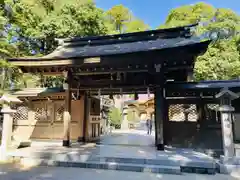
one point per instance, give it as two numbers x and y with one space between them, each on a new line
40 112
181 112
59 110
21 113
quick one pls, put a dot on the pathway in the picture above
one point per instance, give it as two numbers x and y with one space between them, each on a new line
59 173
129 138
128 151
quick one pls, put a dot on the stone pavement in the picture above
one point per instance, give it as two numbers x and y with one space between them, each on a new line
128 151
129 138
10 172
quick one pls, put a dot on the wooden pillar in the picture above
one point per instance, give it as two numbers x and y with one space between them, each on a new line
160 107
160 118
166 130
86 116
200 112
190 76
67 110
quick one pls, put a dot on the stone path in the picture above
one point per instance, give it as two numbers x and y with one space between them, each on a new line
10 172
134 152
129 138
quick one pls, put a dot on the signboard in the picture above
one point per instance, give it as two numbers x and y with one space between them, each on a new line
107 102
92 60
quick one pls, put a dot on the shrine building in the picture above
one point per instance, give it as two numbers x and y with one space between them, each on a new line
160 62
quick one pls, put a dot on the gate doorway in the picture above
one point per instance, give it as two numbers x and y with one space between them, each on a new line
128 121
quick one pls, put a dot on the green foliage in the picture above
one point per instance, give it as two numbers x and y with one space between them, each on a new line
118 16
115 116
136 25
29 27
222 60
34 24
38 32
121 20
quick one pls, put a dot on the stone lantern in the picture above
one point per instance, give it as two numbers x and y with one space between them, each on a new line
6 101
226 110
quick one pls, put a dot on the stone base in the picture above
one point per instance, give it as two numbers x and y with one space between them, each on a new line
160 147
66 143
3 155
230 160
228 165
80 139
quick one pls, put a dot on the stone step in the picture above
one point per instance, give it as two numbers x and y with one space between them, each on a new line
103 165
163 161
126 164
210 164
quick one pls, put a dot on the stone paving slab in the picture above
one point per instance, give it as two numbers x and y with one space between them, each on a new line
125 155
102 165
129 138
10 172
131 158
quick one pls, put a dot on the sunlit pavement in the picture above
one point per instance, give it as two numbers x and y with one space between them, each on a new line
9 172
129 137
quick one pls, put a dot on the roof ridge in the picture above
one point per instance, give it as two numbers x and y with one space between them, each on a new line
166 31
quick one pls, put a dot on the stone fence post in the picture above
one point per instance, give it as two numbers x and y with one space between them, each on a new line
6 101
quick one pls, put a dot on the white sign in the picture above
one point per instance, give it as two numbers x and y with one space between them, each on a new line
92 60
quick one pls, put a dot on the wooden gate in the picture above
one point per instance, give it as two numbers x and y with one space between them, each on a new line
48 119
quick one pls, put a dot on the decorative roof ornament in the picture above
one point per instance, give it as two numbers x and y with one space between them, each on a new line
7 98
227 93
157 67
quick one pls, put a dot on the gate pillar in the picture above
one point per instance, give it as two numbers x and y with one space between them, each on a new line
160 118
67 109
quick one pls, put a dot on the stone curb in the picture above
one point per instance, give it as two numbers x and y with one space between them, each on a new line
125 164
102 165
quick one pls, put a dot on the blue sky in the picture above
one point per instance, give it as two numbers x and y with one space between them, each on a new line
154 12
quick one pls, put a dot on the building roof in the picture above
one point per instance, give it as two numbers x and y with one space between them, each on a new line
33 92
100 46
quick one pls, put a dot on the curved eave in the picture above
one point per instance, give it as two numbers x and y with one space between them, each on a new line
70 56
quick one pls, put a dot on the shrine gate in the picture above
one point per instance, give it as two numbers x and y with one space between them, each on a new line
157 61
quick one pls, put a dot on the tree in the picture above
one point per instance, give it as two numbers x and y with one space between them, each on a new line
115 116
38 32
119 16
121 20
136 25
222 59
34 25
